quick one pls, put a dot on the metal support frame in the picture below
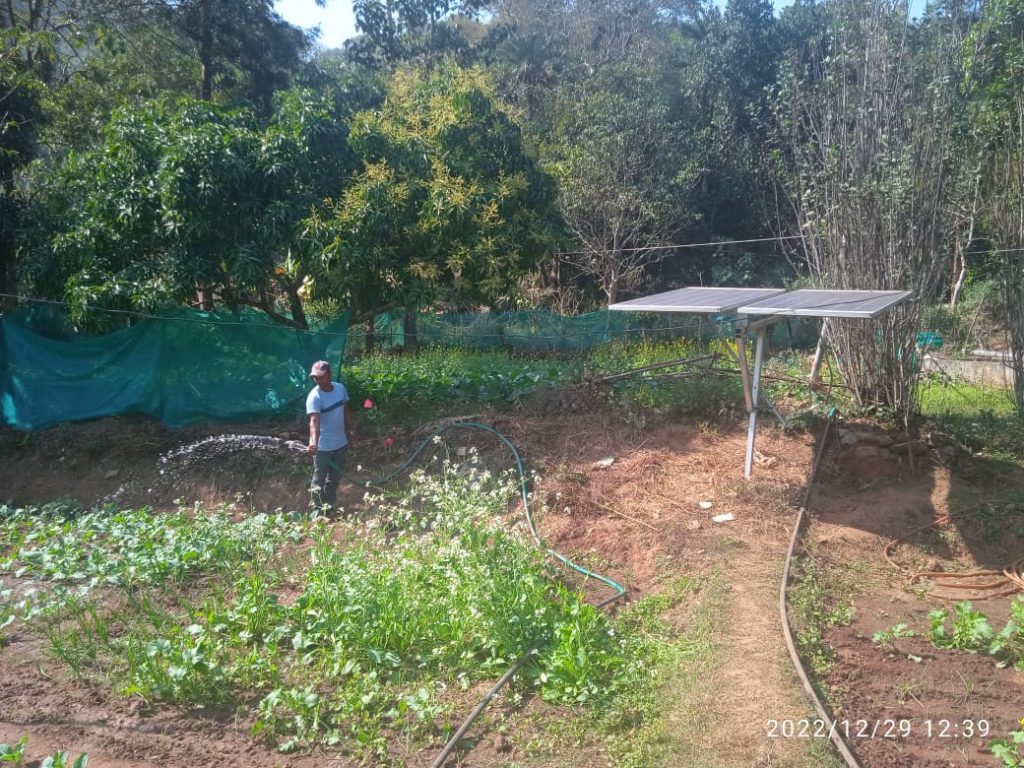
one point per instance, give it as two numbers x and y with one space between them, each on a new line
754 391
752 380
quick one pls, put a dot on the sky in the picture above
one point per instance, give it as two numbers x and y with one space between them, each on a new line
337 21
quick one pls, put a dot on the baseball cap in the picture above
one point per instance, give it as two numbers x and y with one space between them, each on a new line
320 367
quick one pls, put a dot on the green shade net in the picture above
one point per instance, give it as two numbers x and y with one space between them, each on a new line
185 367
536 329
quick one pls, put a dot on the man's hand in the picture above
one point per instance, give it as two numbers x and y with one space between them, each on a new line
311 450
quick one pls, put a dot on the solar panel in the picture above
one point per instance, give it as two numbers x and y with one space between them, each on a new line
695 299
816 303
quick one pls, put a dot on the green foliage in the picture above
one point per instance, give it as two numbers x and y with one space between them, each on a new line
185 196
983 418
818 600
886 637
15 755
76 551
436 379
446 595
1010 750
616 153
412 30
970 631
707 394
449 206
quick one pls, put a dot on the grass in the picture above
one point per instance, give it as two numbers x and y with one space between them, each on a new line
818 600
982 418
669 678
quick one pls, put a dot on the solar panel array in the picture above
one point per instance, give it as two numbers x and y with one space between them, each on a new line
768 301
817 303
707 300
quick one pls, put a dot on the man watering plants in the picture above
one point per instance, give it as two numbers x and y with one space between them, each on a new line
330 433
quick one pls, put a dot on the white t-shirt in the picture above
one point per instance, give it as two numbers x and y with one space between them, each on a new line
331 407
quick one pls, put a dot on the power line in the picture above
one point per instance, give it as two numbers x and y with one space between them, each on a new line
685 245
742 242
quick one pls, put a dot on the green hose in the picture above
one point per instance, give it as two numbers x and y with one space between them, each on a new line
619 589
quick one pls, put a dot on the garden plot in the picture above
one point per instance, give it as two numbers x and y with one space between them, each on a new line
367 640
899 636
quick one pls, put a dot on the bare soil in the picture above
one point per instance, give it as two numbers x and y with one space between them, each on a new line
879 522
638 519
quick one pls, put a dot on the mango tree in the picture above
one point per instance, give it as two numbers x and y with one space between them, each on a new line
187 202
449 206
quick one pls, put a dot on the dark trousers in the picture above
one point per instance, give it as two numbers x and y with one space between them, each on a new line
327 468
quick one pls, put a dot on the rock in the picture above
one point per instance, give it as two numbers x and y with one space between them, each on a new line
692 525
705 504
847 438
111 474
603 463
723 518
883 441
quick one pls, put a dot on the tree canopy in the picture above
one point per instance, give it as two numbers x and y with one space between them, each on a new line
457 153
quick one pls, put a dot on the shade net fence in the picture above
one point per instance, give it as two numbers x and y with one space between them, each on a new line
188 366
182 368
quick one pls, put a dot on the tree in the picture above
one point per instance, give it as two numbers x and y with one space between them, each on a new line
119 70
867 129
238 43
20 111
618 164
994 73
187 201
426 31
449 207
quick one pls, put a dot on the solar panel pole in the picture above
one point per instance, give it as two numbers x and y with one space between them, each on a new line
755 388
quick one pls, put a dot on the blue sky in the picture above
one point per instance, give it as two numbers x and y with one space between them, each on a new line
338 23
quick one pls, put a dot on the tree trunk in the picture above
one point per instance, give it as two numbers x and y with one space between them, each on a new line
959 275
204 299
411 343
370 340
298 311
206 52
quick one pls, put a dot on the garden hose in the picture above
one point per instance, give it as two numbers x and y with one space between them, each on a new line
824 712
960 585
619 590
